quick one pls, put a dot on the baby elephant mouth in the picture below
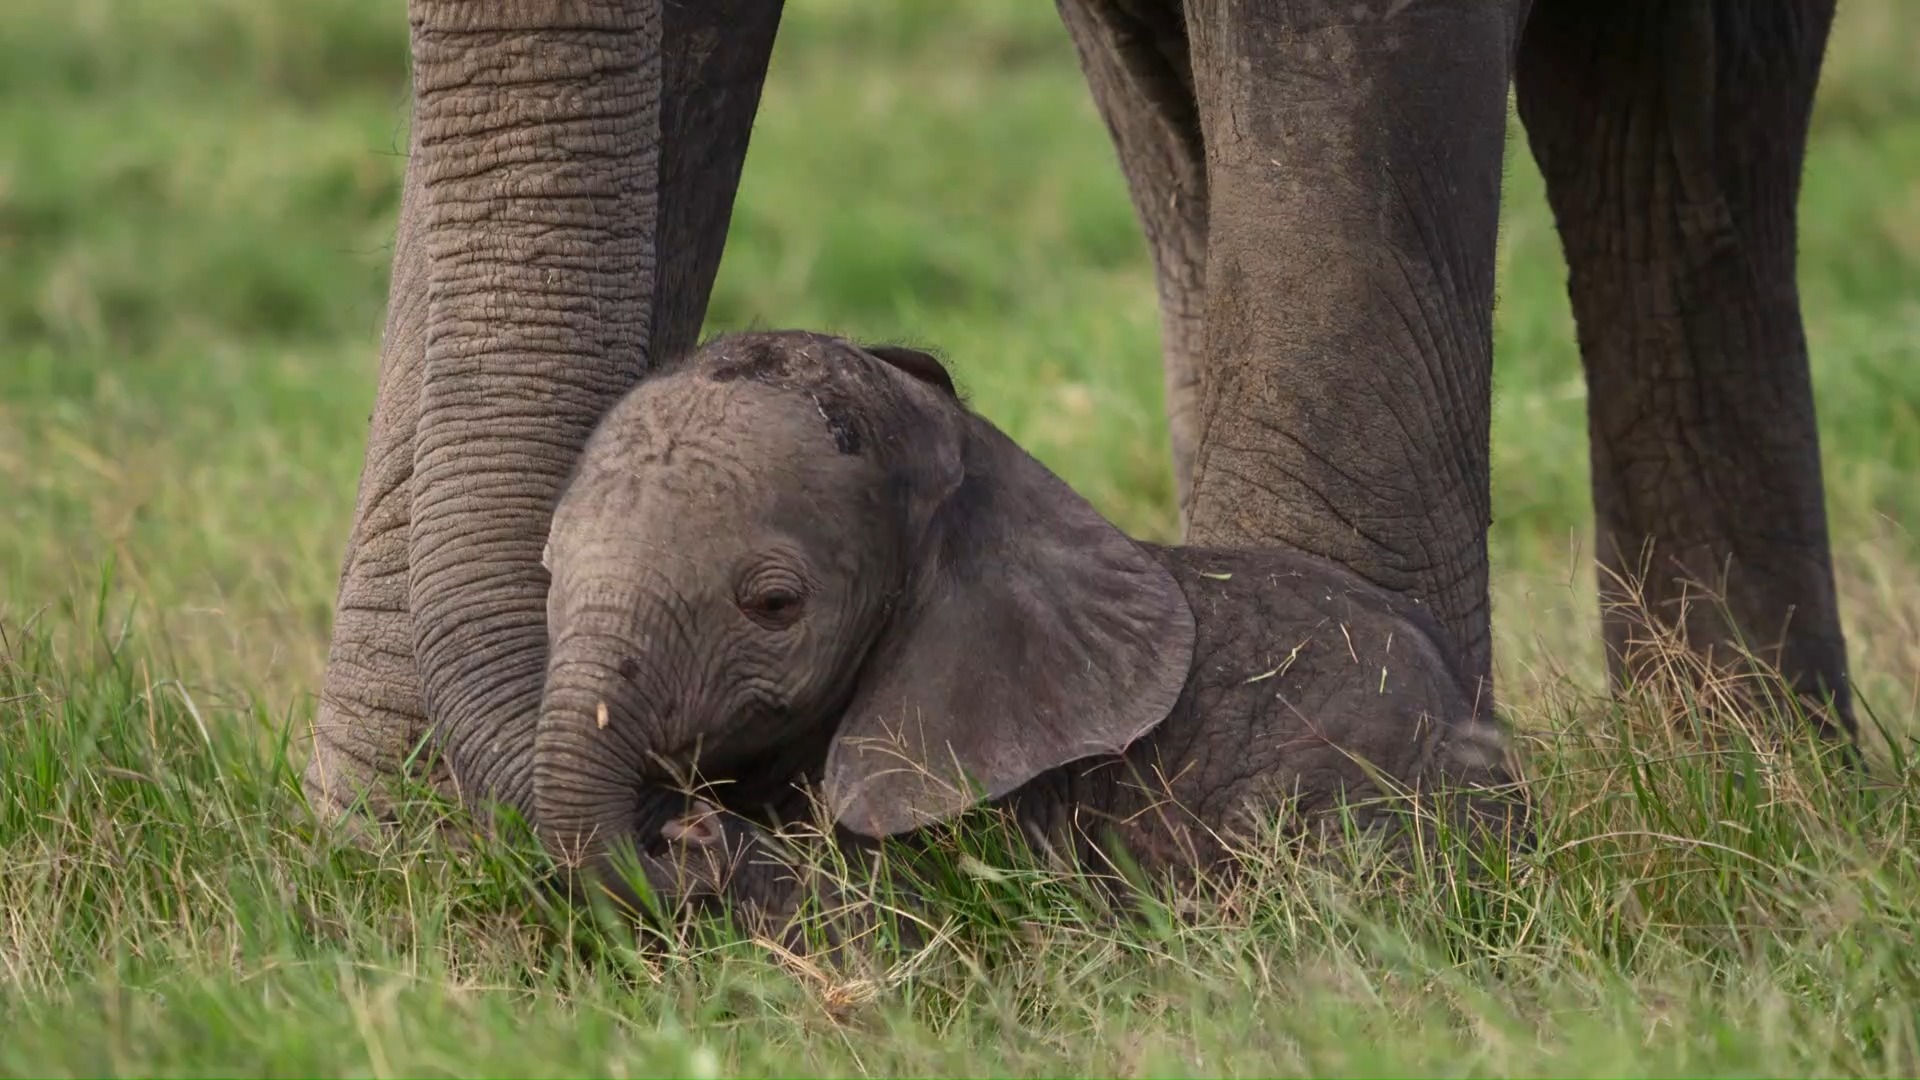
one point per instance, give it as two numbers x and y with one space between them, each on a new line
658 810
662 820
702 826
687 860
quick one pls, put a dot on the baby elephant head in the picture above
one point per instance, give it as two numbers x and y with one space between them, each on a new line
789 546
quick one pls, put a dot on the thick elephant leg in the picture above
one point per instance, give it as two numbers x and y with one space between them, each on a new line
1353 156
566 203
542 157
538 124
714 63
1671 137
370 716
1136 61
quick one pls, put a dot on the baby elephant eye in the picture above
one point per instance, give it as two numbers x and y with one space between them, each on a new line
774 604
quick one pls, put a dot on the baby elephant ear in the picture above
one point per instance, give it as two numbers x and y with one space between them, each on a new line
919 365
1033 633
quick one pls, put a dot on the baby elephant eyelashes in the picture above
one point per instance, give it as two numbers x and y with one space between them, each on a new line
773 599
774 609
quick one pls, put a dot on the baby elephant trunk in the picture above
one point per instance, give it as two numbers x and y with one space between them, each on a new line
593 753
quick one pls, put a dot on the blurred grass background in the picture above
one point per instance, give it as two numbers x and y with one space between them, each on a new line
196 213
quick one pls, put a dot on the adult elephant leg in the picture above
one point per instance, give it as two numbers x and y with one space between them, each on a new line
370 716
715 55
1353 157
569 146
537 125
541 145
1671 137
1136 61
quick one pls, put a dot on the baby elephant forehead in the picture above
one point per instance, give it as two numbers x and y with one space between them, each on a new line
686 428
787 389
794 359
775 356
761 358
654 419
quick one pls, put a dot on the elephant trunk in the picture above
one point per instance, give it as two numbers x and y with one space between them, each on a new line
535 126
596 744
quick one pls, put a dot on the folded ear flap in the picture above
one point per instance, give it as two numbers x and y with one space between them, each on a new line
1033 633
920 365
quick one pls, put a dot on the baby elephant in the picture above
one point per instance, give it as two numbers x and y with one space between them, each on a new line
792 564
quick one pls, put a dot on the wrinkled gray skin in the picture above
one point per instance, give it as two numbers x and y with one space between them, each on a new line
1319 182
793 559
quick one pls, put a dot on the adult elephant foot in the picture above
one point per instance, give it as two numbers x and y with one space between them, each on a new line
1671 136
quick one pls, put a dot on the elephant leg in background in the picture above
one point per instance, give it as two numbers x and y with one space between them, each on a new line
1671 136
715 56
567 197
1353 160
1136 61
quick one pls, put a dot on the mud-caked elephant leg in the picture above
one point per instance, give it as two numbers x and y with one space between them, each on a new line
1135 56
1353 162
1671 136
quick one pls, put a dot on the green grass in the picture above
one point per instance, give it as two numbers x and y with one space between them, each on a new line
196 205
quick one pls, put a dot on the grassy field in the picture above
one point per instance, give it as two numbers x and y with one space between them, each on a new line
196 210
